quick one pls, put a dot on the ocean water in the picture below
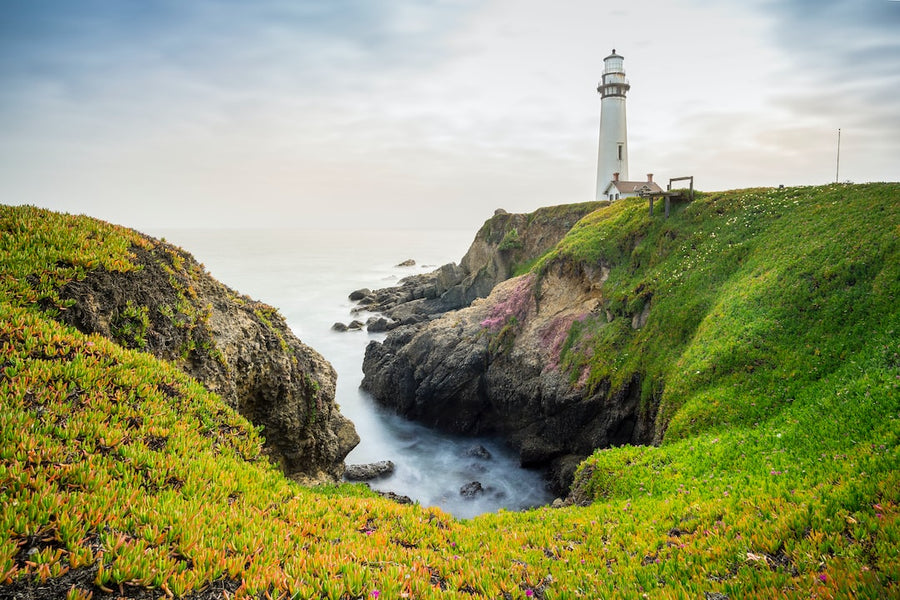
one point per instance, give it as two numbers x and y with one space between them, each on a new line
308 275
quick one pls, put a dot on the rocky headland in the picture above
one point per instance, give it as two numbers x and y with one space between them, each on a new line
505 243
474 350
237 347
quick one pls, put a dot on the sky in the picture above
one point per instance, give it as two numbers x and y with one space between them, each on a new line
338 114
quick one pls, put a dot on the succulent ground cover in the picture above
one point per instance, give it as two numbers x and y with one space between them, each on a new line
772 346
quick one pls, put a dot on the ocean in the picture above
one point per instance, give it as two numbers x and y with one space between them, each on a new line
308 276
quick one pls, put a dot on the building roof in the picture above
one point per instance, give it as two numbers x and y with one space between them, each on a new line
633 187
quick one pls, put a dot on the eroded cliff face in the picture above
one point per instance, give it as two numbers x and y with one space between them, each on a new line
494 368
238 348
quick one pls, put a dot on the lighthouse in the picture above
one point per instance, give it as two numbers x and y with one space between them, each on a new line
612 162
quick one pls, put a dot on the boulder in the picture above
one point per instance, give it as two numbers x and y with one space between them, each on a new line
339 327
359 294
369 471
355 325
479 451
407 263
379 324
471 489
395 497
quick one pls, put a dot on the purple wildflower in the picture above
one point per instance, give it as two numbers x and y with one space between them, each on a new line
515 305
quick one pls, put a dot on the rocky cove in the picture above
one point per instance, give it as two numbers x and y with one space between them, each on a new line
306 274
470 350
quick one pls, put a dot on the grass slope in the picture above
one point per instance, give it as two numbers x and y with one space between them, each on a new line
778 477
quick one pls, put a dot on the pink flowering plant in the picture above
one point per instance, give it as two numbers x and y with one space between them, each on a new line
554 335
514 306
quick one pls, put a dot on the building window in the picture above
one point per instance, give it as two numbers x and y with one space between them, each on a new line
620 151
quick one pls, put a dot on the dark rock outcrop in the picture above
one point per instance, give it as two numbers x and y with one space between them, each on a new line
492 368
399 499
369 471
239 348
471 489
478 353
380 324
479 452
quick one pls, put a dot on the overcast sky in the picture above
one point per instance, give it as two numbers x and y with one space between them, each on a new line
427 113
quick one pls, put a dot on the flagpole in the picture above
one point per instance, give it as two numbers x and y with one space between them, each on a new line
837 169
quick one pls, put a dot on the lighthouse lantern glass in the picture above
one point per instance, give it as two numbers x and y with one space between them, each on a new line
614 65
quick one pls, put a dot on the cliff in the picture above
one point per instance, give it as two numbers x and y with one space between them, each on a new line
151 296
636 329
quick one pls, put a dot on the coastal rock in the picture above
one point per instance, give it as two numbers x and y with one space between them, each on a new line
442 366
379 324
339 327
471 489
407 263
478 371
479 452
369 471
355 325
237 347
399 499
359 294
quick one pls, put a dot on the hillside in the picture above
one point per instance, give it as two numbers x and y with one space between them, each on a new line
639 330
768 358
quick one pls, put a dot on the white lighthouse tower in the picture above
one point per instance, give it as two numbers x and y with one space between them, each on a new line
612 162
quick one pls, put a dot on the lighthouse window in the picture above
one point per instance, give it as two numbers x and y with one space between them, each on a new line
620 151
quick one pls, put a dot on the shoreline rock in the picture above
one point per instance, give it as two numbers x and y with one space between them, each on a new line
369 471
359 294
479 452
398 498
471 490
